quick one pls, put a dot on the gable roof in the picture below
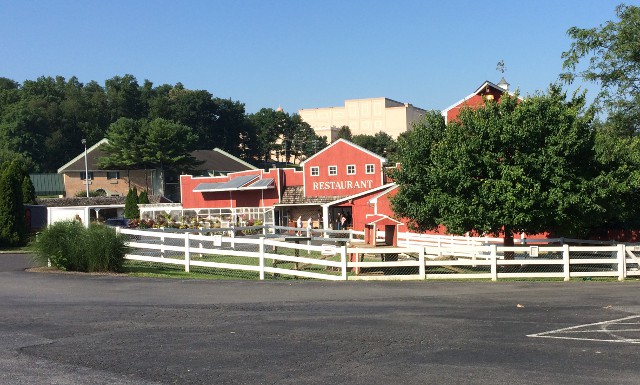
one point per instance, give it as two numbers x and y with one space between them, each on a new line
213 160
382 159
221 161
476 92
77 164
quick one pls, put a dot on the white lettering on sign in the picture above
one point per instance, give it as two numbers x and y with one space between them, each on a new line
343 185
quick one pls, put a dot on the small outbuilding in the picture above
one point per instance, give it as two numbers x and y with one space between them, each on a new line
378 222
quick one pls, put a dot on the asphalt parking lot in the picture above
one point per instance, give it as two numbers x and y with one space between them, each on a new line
99 329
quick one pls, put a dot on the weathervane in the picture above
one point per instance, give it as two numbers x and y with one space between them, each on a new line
501 67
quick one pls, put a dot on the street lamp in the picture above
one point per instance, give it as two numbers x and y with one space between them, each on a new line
86 168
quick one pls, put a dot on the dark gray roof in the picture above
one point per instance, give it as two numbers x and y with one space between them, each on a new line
92 201
220 161
215 160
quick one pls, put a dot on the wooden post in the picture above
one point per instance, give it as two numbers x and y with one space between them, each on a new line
622 259
187 252
421 269
566 257
494 262
262 258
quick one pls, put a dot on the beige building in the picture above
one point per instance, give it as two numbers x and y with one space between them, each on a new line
363 116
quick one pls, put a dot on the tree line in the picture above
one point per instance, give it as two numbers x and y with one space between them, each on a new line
43 121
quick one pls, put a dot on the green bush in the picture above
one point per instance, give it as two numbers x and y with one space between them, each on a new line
105 250
68 245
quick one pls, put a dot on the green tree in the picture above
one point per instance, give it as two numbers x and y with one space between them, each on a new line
124 98
28 191
13 227
381 143
267 132
124 148
167 145
506 167
613 56
131 210
143 199
344 133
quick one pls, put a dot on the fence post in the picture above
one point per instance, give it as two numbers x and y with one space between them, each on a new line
421 269
566 258
187 252
162 243
622 259
439 247
261 258
494 262
343 261
233 235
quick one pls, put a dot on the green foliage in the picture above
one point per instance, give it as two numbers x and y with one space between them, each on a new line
345 133
28 191
613 61
507 167
70 246
131 210
44 120
13 228
143 198
92 193
381 143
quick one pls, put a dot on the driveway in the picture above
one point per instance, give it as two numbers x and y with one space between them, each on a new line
92 329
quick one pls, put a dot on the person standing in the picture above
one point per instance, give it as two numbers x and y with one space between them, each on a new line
299 223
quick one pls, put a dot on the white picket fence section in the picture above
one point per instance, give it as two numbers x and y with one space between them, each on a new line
418 257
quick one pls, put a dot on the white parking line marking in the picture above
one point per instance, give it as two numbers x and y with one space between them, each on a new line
609 328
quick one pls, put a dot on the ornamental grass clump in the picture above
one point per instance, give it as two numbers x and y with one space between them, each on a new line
68 245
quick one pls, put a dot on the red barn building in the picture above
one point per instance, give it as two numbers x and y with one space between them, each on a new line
487 90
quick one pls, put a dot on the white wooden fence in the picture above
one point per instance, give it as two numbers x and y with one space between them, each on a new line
266 254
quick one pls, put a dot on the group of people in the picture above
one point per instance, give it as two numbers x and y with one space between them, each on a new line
309 224
341 223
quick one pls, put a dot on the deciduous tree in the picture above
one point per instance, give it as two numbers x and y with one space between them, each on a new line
506 167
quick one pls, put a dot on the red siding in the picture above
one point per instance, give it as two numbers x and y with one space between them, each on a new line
246 198
472 102
342 154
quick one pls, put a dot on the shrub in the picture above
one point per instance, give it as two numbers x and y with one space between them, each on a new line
104 249
68 245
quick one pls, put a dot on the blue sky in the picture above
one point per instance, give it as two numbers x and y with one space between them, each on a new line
299 54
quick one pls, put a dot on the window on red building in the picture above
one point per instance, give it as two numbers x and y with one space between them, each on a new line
370 169
351 169
315 171
333 170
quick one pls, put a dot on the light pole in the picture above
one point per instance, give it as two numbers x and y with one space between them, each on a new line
86 168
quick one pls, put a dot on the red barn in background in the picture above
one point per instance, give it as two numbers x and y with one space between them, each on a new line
487 90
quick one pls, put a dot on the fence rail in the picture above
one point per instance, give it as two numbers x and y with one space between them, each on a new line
260 252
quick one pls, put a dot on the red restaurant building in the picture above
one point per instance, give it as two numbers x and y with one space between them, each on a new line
343 179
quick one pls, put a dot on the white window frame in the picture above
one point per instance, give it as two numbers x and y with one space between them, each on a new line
353 169
332 170
83 176
368 167
314 171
